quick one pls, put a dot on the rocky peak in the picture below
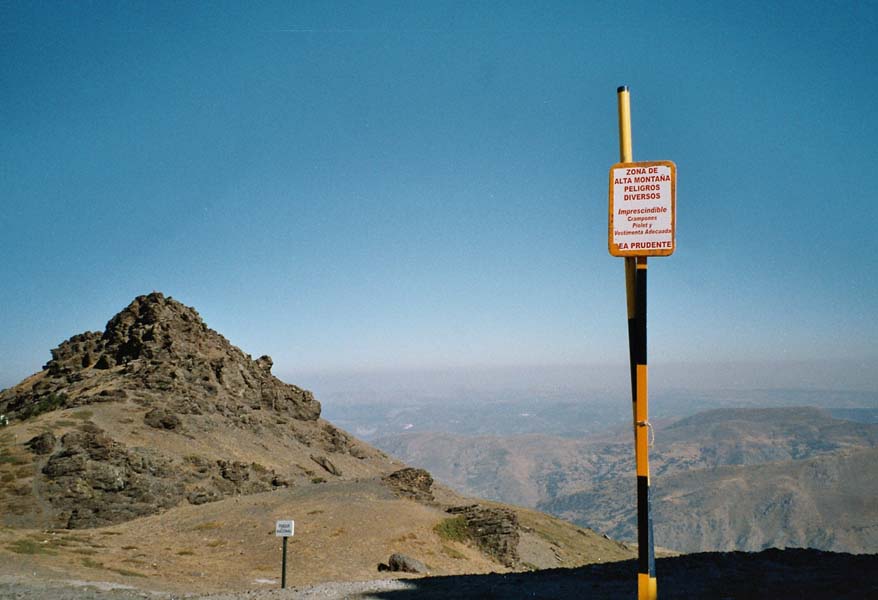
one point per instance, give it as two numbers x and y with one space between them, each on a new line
153 326
157 351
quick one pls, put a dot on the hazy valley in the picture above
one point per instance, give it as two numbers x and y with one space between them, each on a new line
723 479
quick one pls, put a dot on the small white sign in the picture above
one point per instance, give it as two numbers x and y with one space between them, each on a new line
284 528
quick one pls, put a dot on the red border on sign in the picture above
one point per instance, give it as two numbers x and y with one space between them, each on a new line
614 248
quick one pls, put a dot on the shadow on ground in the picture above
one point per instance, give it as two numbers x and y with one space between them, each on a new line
768 574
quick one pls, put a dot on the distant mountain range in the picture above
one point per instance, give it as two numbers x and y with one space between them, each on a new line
575 412
724 479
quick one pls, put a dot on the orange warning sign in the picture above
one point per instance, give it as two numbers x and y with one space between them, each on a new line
643 202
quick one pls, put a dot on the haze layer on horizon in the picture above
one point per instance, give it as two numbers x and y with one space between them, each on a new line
583 382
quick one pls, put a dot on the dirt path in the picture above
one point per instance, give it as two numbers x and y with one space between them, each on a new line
771 574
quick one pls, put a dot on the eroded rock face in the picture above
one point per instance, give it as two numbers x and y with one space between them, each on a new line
494 530
210 481
159 349
415 484
94 481
43 443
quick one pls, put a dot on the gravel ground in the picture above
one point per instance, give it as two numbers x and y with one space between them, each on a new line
24 588
771 574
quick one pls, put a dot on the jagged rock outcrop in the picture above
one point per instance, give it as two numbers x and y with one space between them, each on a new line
494 530
93 481
157 348
43 443
412 483
160 418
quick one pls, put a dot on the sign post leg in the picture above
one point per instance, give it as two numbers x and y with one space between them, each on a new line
635 288
283 568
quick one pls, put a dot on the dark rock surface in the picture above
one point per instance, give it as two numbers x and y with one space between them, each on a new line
415 484
162 419
43 443
92 480
405 564
494 530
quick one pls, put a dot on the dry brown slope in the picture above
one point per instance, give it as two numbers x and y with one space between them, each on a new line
344 529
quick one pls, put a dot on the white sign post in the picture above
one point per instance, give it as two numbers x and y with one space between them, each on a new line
642 208
284 529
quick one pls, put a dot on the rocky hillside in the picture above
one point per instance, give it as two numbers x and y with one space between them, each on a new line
823 502
170 412
158 440
795 474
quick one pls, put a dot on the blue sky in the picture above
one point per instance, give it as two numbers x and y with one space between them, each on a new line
358 186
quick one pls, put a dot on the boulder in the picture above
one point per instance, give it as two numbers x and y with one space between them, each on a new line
162 419
43 443
265 363
403 563
415 484
326 464
234 471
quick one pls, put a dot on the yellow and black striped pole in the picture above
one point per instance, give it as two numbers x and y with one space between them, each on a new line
635 288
